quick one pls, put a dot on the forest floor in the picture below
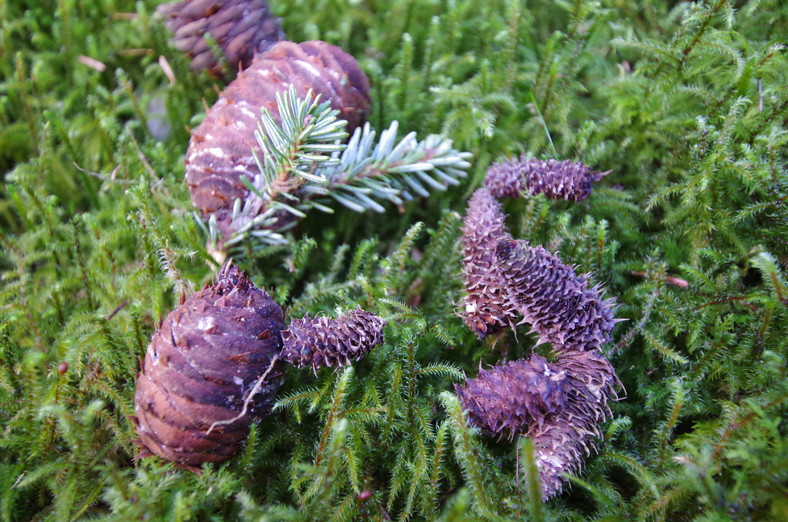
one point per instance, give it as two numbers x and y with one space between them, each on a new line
684 103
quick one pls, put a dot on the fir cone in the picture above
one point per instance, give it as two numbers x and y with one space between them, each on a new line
566 436
486 306
559 305
555 179
513 397
323 342
202 364
220 150
558 405
241 28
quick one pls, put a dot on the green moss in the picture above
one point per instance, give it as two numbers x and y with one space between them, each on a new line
684 103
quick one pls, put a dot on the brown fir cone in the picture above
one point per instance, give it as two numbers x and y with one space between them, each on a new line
560 306
513 397
486 306
241 28
201 366
566 436
323 342
220 150
555 179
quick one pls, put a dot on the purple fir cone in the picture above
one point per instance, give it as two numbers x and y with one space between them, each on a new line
220 153
509 399
486 307
566 436
323 342
200 367
560 306
567 180
241 29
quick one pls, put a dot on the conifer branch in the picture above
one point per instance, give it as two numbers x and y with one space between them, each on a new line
303 166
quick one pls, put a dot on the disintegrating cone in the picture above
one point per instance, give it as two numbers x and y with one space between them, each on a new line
509 399
559 405
220 150
486 307
323 342
560 306
200 367
241 29
566 436
555 179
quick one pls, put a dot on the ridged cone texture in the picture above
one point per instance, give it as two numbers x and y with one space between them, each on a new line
241 29
486 307
510 398
201 365
560 404
559 305
566 435
567 180
220 149
322 341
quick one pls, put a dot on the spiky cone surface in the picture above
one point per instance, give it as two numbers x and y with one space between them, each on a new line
241 28
220 149
201 365
510 398
567 180
560 306
566 435
323 341
485 307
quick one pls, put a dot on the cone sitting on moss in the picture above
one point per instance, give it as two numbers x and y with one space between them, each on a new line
507 399
567 180
216 362
566 435
240 28
558 404
486 307
272 146
322 341
559 305
220 153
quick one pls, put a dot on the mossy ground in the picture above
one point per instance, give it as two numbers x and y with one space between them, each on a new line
685 103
